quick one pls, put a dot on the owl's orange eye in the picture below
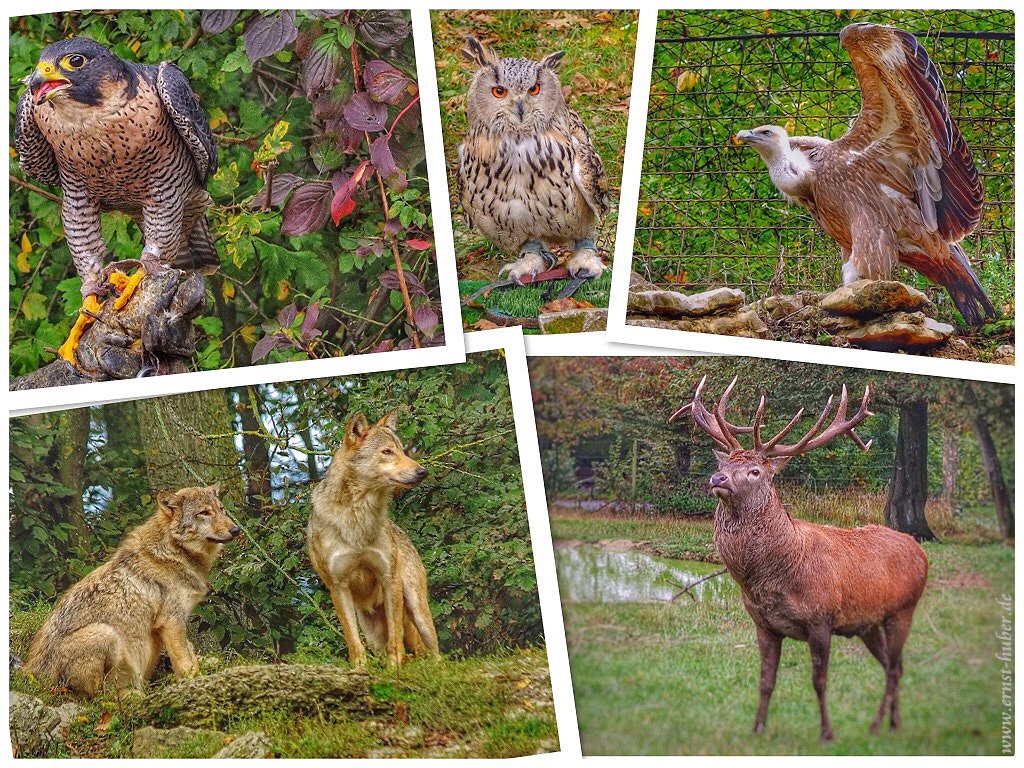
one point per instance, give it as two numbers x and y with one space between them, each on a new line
499 92
534 89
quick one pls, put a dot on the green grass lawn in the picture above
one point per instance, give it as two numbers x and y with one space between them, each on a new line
596 75
682 678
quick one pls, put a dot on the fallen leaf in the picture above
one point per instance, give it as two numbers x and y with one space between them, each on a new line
561 305
483 324
103 723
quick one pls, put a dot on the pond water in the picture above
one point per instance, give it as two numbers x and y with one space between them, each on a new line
590 574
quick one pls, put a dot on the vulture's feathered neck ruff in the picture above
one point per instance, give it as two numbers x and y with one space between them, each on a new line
900 185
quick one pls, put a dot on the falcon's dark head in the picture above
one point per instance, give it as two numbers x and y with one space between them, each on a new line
75 68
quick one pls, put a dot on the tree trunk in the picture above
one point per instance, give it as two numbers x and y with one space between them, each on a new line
908 489
989 457
189 440
256 455
72 442
950 469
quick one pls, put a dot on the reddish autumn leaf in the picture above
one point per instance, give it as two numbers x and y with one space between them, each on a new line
381 157
342 203
308 328
389 280
385 29
266 34
385 346
320 68
282 184
287 315
426 319
215 22
264 346
418 244
365 114
307 209
385 83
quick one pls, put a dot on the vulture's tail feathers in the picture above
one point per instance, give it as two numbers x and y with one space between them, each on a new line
956 275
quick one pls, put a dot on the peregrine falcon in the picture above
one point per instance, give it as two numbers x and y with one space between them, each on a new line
118 136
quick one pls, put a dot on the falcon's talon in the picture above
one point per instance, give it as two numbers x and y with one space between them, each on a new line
127 288
87 315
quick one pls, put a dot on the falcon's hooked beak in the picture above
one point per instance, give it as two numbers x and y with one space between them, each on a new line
46 81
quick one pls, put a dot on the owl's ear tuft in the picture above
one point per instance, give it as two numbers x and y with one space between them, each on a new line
478 53
552 61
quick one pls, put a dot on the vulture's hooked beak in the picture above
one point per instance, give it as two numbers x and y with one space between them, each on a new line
743 137
46 81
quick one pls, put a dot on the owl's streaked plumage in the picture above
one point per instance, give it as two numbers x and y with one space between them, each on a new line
119 136
529 176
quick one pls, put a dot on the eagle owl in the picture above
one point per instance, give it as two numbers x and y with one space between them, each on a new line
529 176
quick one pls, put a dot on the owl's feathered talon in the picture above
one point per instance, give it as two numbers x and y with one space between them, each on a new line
585 261
530 263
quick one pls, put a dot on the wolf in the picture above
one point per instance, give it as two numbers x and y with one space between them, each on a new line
370 567
110 627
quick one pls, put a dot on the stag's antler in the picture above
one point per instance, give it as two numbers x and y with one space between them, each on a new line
724 433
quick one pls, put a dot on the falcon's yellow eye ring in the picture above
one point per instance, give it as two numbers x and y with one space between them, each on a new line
499 92
534 89
73 61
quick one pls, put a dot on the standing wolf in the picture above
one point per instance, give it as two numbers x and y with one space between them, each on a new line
110 627
369 565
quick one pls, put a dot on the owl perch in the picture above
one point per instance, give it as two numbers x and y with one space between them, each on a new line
151 334
900 185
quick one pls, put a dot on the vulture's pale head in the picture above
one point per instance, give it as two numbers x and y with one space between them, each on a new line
767 140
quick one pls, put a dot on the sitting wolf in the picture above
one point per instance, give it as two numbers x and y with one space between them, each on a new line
111 626
368 563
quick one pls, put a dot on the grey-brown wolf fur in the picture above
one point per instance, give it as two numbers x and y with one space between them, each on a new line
374 574
111 626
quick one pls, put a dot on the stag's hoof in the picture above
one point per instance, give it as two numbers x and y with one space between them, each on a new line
826 734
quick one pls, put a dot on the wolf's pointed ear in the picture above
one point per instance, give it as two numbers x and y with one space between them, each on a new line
356 430
478 53
168 502
552 61
390 419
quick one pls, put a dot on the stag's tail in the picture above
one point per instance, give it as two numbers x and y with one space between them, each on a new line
954 273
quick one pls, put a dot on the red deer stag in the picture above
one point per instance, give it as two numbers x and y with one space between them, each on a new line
800 579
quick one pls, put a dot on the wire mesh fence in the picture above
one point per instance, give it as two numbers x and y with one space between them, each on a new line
710 216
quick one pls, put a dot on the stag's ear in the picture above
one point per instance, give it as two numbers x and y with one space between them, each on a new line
720 455
478 53
356 430
777 463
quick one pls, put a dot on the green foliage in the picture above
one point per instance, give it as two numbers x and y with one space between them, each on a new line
467 519
319 196
708 214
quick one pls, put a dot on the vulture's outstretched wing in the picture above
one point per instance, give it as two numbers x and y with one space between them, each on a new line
904 130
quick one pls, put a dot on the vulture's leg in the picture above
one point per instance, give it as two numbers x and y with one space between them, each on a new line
873 253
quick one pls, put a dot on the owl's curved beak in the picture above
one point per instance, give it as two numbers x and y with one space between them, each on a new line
46 81
520 108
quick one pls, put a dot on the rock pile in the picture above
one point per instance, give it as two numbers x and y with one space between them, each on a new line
721 310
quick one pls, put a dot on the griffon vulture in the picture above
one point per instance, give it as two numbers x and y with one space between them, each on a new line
900 184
